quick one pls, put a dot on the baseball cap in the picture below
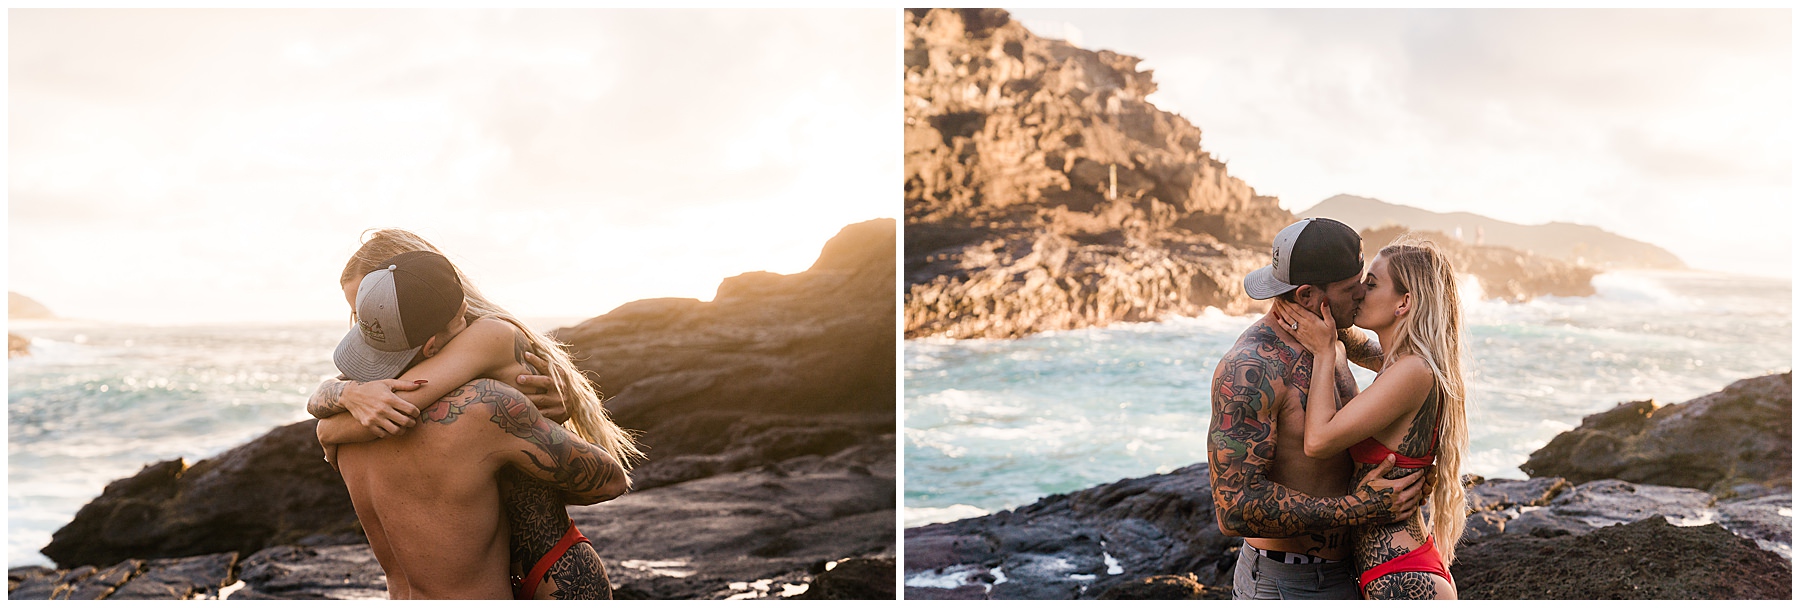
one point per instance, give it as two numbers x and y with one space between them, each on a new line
1311 251
399 306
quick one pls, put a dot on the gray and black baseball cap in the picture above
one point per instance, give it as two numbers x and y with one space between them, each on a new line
412 297
1311 251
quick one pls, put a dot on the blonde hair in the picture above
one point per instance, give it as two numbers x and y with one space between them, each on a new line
1433 331
587 415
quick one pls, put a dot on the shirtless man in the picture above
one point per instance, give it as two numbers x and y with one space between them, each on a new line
427 499
1294 510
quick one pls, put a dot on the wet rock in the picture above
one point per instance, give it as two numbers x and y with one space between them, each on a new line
1648 559
1768 520
17 345
1598 504
1493 494
336 572
1076 545
1720 442
274 489
179 578
854 579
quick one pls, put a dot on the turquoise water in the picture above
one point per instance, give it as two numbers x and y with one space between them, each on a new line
995 424
94 403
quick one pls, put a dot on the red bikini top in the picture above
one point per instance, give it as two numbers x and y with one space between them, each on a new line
1370 451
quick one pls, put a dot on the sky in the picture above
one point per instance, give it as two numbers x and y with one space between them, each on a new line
1668 126
212 166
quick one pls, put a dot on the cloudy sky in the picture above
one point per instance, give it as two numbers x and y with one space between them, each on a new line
218 166
1673 127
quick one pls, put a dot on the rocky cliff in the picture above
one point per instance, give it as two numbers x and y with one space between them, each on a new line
1043 192
768 414
1155 537
21 307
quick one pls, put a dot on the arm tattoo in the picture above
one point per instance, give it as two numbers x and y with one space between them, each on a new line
568 463
1359 349
1241 448
324 402
520 346
1403 586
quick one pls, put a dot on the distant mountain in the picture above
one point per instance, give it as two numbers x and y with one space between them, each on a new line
21 307
1577 243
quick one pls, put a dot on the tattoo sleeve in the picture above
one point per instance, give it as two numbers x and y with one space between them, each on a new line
584 473
1359 349
324 401
1241 450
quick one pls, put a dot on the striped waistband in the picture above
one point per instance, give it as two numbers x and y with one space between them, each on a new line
1293 558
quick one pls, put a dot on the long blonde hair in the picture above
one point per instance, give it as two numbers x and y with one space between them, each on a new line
587 416
1433 331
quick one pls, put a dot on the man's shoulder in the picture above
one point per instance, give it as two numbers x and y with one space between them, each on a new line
1260 343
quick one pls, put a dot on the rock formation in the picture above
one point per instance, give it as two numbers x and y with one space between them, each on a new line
1573 243
1647 559
1504 272
1738 441
1043 192
768 415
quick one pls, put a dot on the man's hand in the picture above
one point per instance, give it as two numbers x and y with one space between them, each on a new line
543 392
375 406
1390 500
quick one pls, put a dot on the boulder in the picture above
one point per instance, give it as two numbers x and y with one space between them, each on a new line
275 489
858 578
1166 587
335 572
1721 442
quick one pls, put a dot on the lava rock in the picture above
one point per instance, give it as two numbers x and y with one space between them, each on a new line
1077 545
275 489
337 572
1648 559
1718 442
854 579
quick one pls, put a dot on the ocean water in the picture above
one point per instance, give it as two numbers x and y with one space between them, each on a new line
96 402
996 424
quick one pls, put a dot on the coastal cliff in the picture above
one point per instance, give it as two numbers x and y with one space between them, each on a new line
1577 244
1155 537
767 414
1043 192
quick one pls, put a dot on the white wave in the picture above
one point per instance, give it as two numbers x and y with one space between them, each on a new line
951 578
922 516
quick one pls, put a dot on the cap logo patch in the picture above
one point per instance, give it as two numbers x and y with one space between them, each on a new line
371 330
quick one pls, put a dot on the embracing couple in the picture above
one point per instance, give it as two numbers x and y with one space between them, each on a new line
459 478
1300 460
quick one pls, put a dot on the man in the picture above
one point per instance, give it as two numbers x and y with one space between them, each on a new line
1293 510
427 499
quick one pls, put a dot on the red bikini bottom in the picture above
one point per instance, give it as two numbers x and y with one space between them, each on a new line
1423 559
527 588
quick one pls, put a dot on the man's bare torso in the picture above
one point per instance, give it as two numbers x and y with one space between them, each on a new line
1321 477
431 508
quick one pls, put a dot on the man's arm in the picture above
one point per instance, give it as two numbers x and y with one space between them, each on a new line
1241 450
532 444
1359 349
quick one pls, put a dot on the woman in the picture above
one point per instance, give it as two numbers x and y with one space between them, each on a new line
539 524
1416 403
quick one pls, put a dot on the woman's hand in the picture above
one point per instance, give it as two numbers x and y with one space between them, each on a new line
543 391
375 406
1314 332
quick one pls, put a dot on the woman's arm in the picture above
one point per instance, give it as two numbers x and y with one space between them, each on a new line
1330 430
373 404
478 352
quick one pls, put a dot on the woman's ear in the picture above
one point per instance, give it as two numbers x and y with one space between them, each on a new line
1405 305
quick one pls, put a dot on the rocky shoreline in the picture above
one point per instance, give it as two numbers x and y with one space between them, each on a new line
1546 537
1043 192
769 426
